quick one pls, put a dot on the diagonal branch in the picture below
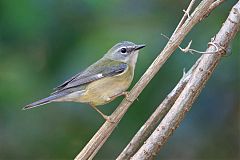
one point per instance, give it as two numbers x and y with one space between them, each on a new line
193 88
90 150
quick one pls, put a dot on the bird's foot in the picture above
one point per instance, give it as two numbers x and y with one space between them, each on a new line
108 119
126 94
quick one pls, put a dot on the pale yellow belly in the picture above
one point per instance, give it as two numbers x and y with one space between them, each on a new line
101 91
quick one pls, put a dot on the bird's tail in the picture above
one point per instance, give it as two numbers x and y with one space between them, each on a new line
43 101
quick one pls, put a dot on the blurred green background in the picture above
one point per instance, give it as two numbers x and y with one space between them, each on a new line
44 42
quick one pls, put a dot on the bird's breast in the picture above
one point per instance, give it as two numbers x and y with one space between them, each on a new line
100 91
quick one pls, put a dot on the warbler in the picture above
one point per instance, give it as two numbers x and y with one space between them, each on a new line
101 82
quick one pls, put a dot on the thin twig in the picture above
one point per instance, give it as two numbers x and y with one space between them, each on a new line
192 51
196 83
155 118
213 6
89 151
185 16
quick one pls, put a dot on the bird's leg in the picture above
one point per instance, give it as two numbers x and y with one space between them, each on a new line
126 96
107 118
125 93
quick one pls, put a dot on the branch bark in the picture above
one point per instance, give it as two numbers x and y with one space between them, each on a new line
93 146
193 88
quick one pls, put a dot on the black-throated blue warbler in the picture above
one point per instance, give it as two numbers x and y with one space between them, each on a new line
101 82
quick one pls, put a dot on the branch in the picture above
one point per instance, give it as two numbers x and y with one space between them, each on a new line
90 150
155 118
185 16
196 83
192 51
213 6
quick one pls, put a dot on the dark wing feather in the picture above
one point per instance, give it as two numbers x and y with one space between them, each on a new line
66 82
93 73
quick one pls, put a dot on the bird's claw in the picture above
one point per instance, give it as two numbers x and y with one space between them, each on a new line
108 119
126 94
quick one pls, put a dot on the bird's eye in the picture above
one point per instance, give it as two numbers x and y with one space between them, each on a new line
123 50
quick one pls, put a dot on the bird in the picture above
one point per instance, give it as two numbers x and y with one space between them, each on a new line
101 82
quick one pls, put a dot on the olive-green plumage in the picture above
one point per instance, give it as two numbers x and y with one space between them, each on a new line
101 82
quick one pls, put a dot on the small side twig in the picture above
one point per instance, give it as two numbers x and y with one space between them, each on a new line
185 16
213 6
192 51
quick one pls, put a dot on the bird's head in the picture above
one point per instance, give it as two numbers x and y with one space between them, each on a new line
125 52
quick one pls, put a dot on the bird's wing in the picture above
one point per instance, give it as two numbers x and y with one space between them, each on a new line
66 82
101 69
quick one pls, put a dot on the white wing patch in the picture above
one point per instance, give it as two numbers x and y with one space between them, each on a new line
100 75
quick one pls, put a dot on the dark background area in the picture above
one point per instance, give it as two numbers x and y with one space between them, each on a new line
42 43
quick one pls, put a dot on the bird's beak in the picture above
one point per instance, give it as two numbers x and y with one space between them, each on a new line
137 47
